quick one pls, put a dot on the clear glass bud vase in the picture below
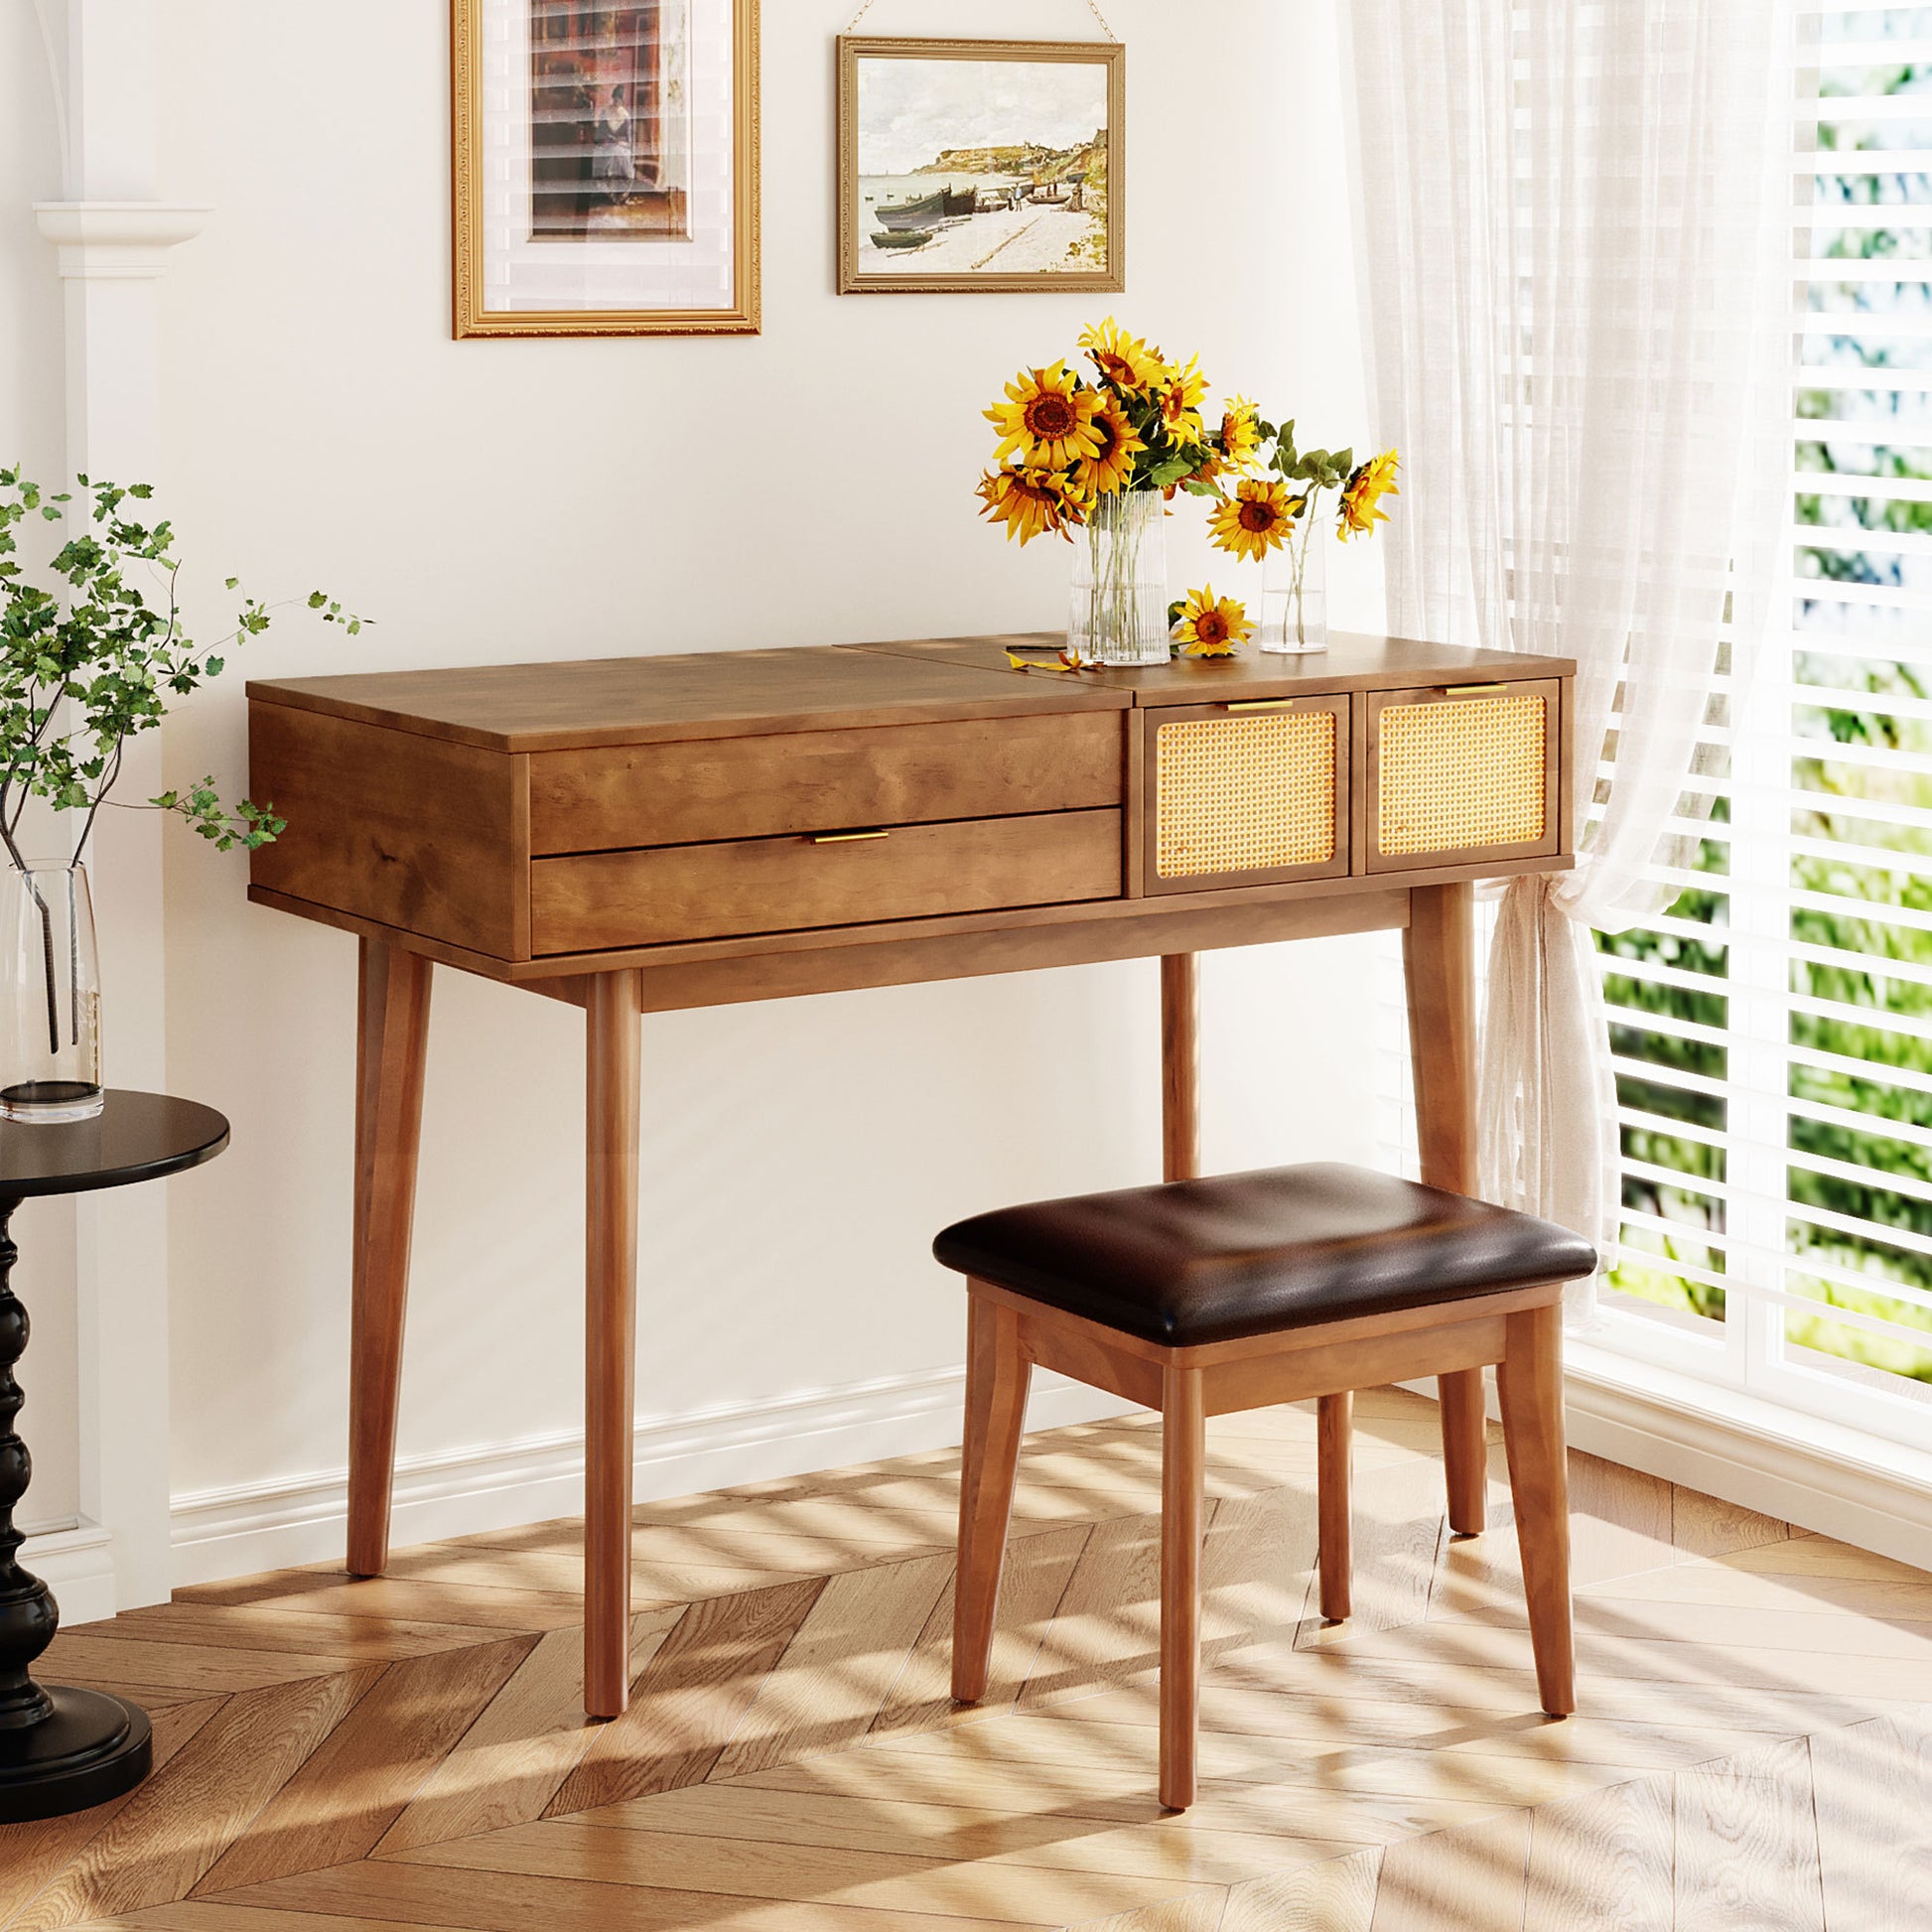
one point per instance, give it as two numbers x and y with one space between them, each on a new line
1118 610
49 1056
1295 588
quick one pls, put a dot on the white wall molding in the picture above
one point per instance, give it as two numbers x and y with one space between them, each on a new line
117 240
78 1564
234 1532
114 233
1860 1489
1865 1490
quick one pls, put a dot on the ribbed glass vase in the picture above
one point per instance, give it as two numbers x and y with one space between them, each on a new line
1118 609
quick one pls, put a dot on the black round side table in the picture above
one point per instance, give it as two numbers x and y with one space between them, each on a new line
61 1749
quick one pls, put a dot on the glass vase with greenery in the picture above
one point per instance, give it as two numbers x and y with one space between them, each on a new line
93 652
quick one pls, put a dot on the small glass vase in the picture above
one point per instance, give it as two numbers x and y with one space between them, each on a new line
49 1056
1295 591
1117 613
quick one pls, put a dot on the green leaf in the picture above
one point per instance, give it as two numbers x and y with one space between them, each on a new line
95 652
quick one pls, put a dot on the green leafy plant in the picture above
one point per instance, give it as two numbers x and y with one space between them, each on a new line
95 655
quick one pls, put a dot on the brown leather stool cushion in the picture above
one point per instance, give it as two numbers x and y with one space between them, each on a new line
1250 1254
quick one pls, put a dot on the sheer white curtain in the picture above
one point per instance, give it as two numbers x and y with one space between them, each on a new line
1576 218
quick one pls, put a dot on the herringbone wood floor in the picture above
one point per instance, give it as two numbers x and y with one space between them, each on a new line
1754 1751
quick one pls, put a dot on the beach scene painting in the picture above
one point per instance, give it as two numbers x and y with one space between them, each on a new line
979 165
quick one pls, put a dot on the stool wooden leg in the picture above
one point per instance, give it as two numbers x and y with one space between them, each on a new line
1466 1448
1335 1429
997 1375
1531 1382
1184 1459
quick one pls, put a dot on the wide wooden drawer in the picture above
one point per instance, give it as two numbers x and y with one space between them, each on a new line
1247 794
1463 772
688 793
597 900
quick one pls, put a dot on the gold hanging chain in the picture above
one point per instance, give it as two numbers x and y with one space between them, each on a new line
1094 5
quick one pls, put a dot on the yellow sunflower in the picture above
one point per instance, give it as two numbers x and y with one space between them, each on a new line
1363 491
1182 393
1241 433
1047 421
1255 520
1209 626
1122 359
1031 503
1112 466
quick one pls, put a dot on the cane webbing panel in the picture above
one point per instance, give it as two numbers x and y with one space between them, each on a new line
1245 794
1461 775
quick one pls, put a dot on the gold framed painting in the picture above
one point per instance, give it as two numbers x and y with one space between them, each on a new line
605 167
985 166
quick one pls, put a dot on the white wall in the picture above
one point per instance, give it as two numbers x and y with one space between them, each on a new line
518 500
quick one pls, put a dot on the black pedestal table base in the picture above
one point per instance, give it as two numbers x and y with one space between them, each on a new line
61 1750
89 1749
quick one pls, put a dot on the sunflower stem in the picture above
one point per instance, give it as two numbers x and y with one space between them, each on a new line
1298 576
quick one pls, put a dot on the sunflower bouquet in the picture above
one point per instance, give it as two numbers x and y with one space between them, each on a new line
1131 424
1103 446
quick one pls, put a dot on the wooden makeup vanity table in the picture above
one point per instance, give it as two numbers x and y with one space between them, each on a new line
636 835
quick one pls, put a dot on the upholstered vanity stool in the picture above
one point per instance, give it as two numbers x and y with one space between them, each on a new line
1199 1298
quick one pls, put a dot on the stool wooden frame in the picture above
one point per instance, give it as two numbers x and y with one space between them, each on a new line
1518 1330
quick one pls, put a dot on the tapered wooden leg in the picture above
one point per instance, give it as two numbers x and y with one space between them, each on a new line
1438 964
613 1073
1531 1383
997 1375
1334 1429
1184 1459
1466 1448
1179 1066
391 1050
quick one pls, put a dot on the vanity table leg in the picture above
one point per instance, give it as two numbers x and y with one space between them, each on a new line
391 1042
1179 1066
612 1072
1438 964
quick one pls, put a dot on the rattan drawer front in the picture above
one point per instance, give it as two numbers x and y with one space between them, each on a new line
690 792
1471 774
597 901
1247 797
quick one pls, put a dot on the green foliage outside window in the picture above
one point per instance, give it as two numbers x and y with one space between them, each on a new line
1877 1170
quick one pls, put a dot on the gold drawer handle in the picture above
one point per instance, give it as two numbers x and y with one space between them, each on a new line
843 838
1258 704
1472 690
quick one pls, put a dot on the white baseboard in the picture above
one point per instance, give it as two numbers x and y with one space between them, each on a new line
1820 1475
235 1532
78 1566
1864 1490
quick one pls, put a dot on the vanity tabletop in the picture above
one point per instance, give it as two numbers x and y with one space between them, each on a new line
543 707
1352 662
